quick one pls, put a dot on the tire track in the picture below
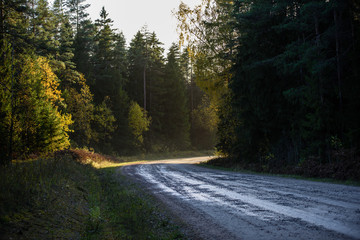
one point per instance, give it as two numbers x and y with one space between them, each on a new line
254 206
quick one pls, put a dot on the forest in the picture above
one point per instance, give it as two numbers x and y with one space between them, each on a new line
67 81
272 84
266 86
284 77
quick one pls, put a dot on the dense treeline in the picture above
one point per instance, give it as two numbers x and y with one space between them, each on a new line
288 74
69 82
298 96
278 80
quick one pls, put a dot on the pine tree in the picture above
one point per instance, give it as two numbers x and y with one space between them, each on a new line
136 60
66 40
154 66
103 58
122 140
81 107
43 25
109 76
77 12
175 122
84 47
15 24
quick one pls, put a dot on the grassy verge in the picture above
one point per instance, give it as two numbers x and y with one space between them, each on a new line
66 197
125 212
46 198
228 165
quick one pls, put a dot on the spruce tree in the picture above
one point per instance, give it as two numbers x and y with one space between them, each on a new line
15 17
84 47
109 79
103 58
136 60
43 29
66 41
77 12
175 122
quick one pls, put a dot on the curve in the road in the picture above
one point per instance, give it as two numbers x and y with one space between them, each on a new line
254 206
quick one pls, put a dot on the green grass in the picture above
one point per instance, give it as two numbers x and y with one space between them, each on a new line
126 212
45 198
66 197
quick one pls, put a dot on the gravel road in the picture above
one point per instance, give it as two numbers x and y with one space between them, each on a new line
228 205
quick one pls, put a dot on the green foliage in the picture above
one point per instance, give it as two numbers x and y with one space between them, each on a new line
6 100
42 25
204 122
84 45
66 50
66 76
136 59
44 127
208 31
139 123
76 10
161 89
104 125
129 213
15 25
105 82
30 101
80 106
176 116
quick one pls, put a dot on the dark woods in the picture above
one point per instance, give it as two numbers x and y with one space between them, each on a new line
294 94
288 75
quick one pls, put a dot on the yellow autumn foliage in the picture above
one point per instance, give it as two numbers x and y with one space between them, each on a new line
49 80
41 73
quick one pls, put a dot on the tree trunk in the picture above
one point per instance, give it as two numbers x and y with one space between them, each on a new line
337 40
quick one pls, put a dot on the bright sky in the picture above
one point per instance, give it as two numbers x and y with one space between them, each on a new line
131 15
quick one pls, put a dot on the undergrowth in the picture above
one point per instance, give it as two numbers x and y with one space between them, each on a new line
66 196
346 172
45 198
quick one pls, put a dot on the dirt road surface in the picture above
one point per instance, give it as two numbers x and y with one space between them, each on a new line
228 205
